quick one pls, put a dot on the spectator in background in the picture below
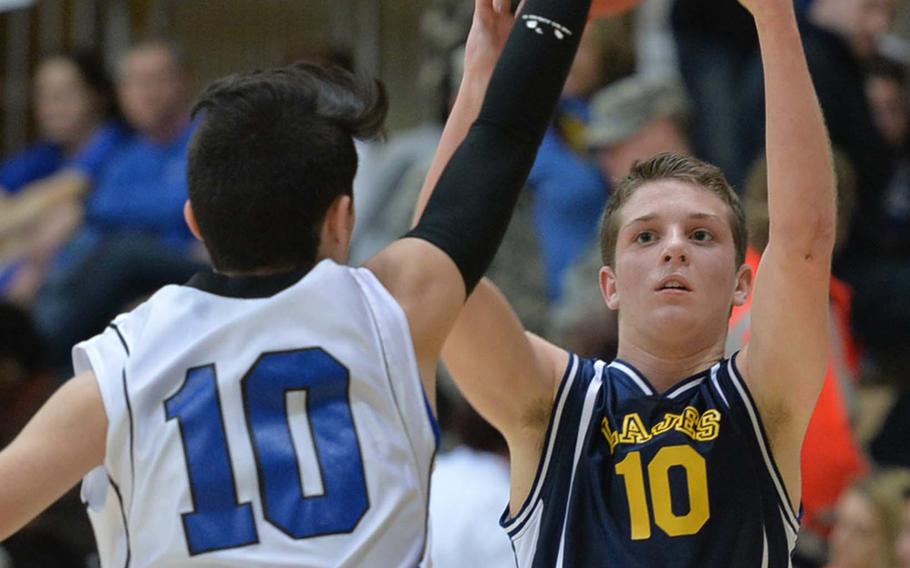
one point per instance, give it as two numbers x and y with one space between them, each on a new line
569 191
882 314
134 239
902 545
42 188
75 108
396 181
839 38
468 494
636 118
831 457
144 189
391 168
868 521
632 119
717 48
886 89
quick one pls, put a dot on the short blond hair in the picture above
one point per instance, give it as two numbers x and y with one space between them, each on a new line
666 166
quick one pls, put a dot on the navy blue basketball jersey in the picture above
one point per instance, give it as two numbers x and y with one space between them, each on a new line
632 478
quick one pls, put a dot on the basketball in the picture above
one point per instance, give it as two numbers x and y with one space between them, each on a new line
606 8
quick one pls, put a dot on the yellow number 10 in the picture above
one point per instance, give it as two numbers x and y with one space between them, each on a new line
659 477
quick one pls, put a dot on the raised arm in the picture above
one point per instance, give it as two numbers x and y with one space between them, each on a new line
63 442
431 271
785 360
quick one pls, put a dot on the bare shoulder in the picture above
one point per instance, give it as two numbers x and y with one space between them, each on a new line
414 270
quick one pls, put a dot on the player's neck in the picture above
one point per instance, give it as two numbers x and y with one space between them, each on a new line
665 367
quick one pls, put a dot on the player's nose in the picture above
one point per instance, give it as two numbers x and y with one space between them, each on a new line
676 249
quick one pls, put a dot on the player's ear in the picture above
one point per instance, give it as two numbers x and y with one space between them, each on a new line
337 229
744 280
191 221
608 287
339 219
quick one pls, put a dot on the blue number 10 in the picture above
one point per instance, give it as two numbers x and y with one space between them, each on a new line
218 521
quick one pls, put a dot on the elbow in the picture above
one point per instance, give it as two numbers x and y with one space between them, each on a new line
812 240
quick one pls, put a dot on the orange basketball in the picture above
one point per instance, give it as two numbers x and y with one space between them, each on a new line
607 8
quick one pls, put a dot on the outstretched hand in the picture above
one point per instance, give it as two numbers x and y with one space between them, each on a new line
492 23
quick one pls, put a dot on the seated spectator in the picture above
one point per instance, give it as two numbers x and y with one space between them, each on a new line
134 239
831 456
632 119
144 189
636 118
867 522
75 109
43 186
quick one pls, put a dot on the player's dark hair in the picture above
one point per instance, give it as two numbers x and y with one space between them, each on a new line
676 167
271 152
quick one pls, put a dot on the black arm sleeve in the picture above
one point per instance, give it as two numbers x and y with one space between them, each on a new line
473 201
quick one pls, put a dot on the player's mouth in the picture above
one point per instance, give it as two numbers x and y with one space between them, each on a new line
674 285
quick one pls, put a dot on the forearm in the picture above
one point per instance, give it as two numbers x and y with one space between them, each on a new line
27 489
39 198
463 114
801 184
468 212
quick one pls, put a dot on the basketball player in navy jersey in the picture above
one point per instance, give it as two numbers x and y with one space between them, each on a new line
276 411
672 455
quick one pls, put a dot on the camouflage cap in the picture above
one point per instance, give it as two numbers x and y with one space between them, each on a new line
623 108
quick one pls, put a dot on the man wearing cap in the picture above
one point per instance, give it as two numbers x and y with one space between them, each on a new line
632 119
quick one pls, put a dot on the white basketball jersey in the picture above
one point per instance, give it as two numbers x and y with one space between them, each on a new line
262 421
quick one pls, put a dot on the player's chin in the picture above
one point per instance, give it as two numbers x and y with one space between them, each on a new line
676 313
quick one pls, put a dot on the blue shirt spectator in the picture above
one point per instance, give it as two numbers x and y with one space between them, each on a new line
134 239
569 193
46 158
143 191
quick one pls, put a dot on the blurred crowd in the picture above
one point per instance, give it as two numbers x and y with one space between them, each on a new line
91 222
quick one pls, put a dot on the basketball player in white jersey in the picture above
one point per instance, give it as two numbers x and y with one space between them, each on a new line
672 455
278 411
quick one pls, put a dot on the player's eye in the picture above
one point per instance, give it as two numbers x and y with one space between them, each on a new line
644 237
702 235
